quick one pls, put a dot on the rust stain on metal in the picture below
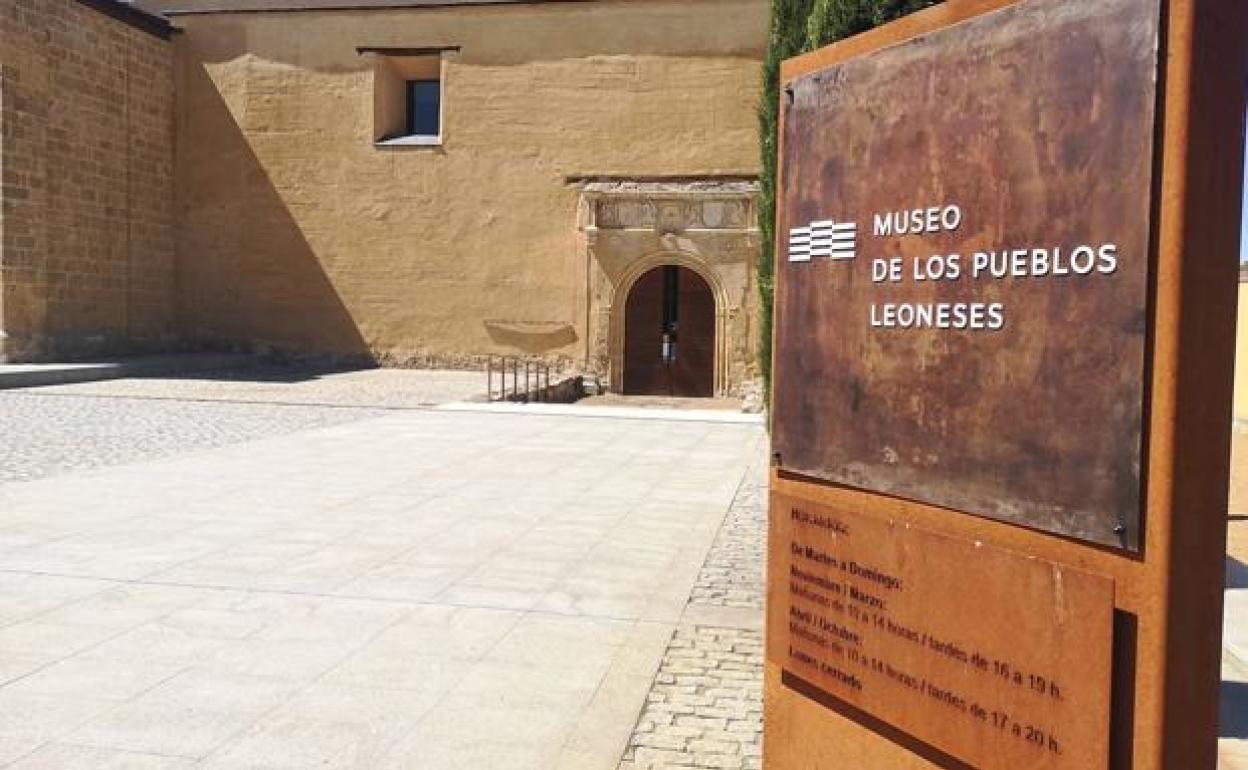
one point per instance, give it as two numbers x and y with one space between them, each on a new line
1030 130
995 658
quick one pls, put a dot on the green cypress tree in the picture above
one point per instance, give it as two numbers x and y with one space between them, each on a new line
788 38
798 26
832 20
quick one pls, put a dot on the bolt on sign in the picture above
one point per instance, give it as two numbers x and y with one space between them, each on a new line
964 282
1004 340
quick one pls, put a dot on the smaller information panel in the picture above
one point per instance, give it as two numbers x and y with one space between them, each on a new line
995 658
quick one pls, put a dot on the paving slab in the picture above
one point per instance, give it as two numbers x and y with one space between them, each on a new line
423 588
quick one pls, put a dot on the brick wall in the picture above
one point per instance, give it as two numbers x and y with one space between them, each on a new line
86 165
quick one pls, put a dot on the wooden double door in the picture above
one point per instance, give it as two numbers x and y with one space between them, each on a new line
669 335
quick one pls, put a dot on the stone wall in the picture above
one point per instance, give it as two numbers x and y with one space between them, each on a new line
86 161
296 231
709 227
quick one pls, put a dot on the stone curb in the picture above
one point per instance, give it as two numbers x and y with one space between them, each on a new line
38 375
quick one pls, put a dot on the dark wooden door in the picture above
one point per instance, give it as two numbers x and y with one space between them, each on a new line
669 335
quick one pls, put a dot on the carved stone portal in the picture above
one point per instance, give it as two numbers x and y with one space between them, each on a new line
710 227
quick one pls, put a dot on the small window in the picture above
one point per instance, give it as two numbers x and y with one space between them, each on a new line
408 102
424 107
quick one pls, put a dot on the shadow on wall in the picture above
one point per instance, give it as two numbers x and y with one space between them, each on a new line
1236 573
1233 719
246 272
531 338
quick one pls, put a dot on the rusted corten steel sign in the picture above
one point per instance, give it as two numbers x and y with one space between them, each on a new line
963 267
1004 350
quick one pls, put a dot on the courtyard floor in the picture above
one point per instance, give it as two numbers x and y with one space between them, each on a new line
275 570
264 577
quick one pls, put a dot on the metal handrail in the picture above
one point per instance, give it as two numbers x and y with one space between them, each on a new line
536 379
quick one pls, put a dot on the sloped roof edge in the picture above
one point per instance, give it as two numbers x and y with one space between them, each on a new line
289 6
149 22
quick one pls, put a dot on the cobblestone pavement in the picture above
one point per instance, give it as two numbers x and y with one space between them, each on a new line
62 428
291 385
733 573
45 434
705 709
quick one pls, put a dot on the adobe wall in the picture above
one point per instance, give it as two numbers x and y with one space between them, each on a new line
1241 354
86 160
296 232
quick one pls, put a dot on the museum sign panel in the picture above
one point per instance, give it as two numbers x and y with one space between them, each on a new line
1004 340
963 284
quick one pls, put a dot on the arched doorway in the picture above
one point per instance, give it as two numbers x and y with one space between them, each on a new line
669 334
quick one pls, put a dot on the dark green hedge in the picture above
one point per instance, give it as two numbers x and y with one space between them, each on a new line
798 26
